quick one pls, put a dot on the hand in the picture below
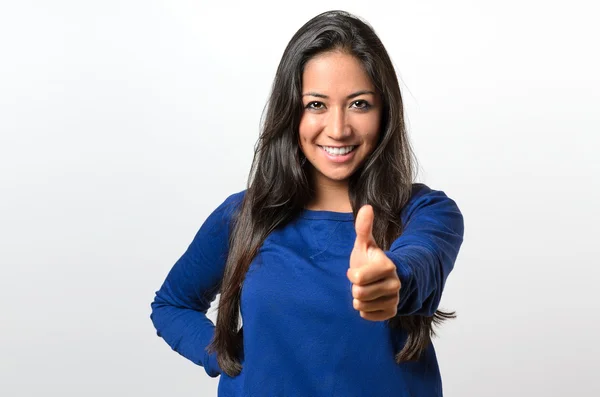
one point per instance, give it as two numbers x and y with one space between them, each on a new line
375 282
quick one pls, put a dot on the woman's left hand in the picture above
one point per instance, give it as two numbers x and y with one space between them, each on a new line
375 282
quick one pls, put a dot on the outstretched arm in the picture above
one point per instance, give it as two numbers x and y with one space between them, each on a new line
426 251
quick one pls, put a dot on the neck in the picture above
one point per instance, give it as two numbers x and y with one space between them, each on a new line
330 196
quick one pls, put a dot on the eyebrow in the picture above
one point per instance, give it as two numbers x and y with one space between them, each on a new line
357 93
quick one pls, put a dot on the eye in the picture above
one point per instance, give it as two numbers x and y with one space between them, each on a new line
361 104
316 105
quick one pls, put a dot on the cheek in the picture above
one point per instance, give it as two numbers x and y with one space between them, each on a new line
307 130
371 132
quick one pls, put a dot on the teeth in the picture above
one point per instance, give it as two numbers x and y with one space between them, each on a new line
338 151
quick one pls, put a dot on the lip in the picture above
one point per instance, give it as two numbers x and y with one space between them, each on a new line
338 159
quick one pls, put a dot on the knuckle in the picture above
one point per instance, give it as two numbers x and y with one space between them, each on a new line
358 292
390 267
357 276
358 305
395 285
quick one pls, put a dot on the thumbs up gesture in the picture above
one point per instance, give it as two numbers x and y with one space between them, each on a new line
375 282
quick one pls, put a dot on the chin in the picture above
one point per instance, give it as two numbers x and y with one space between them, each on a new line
335 176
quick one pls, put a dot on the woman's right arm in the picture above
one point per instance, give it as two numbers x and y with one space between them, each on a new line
180 305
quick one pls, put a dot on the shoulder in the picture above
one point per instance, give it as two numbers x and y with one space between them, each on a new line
227 210
232 203
426 199
421 191
219 220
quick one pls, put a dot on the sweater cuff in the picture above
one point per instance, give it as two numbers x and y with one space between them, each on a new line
212 366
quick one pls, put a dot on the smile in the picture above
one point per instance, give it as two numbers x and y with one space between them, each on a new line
338 151
338 155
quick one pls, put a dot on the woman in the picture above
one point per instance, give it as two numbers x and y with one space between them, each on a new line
335 258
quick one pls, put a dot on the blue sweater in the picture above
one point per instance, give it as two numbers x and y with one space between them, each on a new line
302 337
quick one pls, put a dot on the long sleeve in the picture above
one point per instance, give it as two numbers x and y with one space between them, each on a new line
180 305
426 251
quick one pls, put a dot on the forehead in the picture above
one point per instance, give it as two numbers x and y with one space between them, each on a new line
333 73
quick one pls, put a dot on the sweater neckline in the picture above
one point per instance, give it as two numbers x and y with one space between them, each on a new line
327 215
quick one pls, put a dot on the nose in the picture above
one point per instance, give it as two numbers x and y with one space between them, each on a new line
338 128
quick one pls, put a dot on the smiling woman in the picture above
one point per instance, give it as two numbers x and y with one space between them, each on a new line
334 257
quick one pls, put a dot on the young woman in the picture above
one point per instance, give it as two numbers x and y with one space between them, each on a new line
334 257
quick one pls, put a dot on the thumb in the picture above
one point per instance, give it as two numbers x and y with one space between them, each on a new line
364 228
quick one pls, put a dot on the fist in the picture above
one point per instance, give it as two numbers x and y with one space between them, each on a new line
375 282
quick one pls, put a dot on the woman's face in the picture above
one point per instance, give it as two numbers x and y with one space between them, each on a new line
339 127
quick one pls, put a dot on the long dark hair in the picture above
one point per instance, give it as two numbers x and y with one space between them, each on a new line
279 184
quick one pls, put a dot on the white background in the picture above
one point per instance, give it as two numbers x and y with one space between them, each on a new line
124 123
